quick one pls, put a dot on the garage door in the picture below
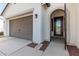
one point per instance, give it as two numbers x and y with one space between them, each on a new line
22 27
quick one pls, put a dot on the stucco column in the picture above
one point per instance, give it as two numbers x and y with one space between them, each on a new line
37 25
77 25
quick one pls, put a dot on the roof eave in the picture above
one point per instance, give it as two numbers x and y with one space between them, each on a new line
4 9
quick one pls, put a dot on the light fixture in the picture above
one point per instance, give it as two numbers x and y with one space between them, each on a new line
45 4
48 4
36 16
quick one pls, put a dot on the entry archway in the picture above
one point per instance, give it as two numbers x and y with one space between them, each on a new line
57 23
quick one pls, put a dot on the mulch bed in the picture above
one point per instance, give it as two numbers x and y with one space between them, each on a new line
44 46
33 45
73 51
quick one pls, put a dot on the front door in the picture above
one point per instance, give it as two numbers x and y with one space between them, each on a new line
58 26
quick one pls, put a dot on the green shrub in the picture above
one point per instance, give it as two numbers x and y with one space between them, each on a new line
1 33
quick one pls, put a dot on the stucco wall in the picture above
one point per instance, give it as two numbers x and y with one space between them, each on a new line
57 14
77 25
71 22
17 9
37 25
46 20
41 25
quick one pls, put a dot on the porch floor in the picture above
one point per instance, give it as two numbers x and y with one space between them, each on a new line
11 46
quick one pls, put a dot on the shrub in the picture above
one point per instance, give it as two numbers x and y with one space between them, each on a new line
1 33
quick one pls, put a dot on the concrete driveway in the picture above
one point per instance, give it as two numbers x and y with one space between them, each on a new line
11 46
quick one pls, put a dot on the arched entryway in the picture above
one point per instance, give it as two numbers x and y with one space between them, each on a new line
57 25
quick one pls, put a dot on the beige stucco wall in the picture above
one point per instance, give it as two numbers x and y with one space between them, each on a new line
71 22
46 21
23 8
77 25
57 13
41 25
18 8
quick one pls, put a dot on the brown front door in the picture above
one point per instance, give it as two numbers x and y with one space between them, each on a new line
58 26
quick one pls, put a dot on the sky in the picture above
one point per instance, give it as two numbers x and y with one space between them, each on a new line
2 6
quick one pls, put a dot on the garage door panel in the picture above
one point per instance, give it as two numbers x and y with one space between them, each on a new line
22 28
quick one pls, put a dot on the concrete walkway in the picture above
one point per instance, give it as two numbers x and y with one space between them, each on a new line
56 48
10 46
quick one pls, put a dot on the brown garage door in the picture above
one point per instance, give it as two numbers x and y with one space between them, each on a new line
22 27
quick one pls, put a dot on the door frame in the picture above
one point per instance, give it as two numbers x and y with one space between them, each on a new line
65 23
61 26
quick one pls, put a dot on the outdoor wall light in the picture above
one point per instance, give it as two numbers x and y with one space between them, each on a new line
45 4
36 16
48 4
